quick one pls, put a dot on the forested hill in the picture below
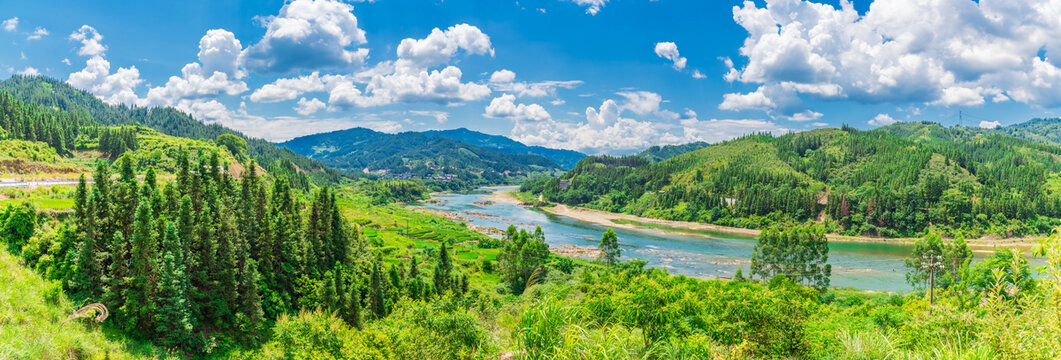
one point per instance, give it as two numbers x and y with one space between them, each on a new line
58 94
660 153
900 180
423 155
565 158
1042 130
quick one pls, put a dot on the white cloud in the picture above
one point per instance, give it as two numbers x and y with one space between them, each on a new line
989 124
698 75
308 34
502 76
29 71
504 81
217 72
592 6
669 51
882 120
10 24
504 107
938 52
219 51
66 61
440 116
440 46
289 88
307 107
38 33
90 41
641 102
411 79
96 78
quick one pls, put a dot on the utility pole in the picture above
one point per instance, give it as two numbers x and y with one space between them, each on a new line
931 262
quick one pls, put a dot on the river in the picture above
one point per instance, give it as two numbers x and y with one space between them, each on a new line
869 266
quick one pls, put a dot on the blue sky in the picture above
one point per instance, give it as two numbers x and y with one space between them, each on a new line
600 76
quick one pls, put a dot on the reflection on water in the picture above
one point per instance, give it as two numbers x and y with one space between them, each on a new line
870 266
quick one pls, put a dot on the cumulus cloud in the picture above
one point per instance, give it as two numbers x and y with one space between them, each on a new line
882 120
439 46
505 107
938 52
307 107
504 81
308 34
289 88
592 6
38 33
96 78
989 124
29 71
91 41
410 77
669 51
10 25
217 72
219 51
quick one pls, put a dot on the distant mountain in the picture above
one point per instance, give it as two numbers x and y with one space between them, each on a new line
566 158
58 94
1041 130
660 153
422 154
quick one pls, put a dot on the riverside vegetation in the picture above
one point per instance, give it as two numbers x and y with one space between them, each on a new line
197 252
903 180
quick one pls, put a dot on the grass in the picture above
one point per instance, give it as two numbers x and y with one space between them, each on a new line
32 311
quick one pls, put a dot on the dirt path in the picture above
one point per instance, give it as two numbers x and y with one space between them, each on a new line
668 226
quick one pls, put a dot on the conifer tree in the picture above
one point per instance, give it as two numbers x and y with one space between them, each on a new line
250 302
443 270
377 300
144 254
114 278
173 322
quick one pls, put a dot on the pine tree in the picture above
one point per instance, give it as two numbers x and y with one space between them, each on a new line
739 276
173 323
377 299
250 302
143 252
87 273
443 270
225 266
114 279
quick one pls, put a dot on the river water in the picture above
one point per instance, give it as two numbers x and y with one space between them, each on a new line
869 266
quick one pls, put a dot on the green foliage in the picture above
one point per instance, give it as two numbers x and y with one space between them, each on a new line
523 258
235 144
900 180
799 253
609 247
419 155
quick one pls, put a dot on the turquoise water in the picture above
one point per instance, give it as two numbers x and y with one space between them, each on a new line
869 266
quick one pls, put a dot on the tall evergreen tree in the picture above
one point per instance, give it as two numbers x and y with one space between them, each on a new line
444 270
140 297
173 322
609 247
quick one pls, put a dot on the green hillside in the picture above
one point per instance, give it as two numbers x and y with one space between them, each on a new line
900 180
660 153
59 95
420 155
33 322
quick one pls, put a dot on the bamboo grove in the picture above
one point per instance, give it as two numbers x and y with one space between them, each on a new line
901 180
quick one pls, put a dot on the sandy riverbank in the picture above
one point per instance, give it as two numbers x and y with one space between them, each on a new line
622 221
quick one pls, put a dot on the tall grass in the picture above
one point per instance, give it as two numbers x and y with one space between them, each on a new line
32 311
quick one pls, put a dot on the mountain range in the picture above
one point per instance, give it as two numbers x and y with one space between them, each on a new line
422 154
